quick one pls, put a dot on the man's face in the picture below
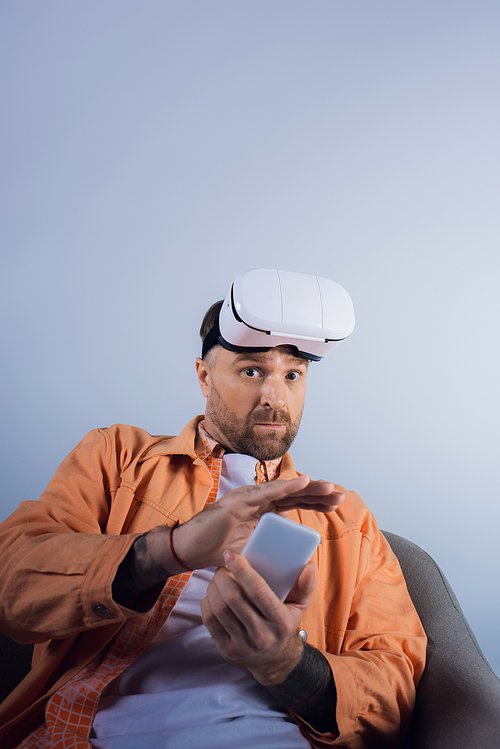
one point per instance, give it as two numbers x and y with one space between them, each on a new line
254 401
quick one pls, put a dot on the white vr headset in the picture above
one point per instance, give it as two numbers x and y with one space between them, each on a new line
267 308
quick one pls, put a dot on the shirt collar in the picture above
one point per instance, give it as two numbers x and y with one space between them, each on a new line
205 445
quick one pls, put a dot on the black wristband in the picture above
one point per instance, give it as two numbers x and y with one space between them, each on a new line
309 691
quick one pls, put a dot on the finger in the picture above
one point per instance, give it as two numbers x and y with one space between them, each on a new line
237 627
285 494
270 491
215 628
323 492
257 591
304 586
321 504
322 501
317 488
230 607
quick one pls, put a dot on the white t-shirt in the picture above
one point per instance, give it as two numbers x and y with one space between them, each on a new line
180 692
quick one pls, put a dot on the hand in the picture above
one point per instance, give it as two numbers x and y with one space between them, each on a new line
224 525
228 523
250 626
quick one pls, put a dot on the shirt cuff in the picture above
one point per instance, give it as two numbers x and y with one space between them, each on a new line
98 605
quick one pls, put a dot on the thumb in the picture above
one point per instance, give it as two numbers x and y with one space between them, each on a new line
304 586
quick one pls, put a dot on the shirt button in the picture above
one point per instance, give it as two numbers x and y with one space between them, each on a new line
102 611
303 635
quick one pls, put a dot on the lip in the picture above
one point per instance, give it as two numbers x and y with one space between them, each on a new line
275 427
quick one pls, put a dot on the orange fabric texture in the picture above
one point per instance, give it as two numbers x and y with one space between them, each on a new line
71 710
120 482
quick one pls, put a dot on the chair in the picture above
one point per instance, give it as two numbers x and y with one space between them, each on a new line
458 700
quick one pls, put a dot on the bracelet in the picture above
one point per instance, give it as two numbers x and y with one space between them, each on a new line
170 543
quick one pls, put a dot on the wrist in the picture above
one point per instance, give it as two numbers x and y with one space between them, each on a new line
276 673
140 570
172 550
183 549
161 561
306 678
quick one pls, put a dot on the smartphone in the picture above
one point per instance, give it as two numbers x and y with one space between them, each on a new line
279 549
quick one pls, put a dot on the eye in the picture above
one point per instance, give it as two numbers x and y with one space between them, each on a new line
251 372
293 376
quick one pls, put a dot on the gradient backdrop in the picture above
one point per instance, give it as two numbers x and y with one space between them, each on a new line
151 150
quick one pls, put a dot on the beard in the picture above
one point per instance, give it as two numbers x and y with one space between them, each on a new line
240 434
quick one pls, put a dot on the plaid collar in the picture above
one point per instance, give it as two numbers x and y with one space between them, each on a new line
205 445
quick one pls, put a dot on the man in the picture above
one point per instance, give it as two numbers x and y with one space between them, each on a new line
135 649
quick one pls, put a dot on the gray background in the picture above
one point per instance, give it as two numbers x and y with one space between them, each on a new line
152 150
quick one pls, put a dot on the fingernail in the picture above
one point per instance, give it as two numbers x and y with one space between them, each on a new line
228 557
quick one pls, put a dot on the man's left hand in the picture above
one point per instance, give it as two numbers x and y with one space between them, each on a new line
250 626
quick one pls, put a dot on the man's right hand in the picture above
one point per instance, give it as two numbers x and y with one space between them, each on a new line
225 525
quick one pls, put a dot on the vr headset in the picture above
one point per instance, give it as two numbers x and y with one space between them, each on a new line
268 308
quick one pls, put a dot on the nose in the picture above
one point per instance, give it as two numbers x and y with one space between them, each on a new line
273 394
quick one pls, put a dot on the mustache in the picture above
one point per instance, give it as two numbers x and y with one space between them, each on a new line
270 417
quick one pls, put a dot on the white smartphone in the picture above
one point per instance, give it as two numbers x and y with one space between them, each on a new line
279 549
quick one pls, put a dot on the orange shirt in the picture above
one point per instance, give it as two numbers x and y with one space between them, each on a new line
59 557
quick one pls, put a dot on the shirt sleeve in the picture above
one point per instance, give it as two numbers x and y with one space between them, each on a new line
57 563
380 656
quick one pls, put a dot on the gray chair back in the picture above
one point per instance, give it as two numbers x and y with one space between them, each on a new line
458 700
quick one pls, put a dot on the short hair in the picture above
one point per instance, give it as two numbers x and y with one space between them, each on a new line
211 316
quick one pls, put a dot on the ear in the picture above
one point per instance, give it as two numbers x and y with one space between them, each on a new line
203 373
